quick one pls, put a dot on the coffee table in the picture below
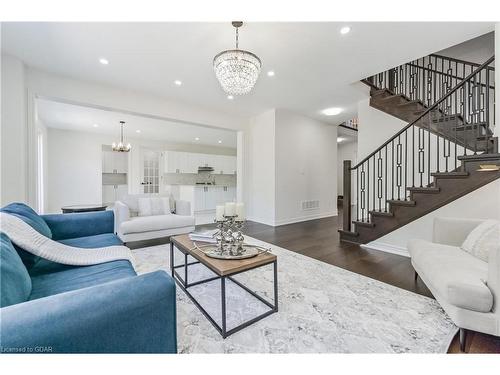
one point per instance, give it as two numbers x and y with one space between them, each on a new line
223 270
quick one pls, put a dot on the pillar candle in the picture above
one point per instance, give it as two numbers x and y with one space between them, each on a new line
230 209
240 211
219 213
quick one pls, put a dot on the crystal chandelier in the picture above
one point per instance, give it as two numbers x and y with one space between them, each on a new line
237 70
121 147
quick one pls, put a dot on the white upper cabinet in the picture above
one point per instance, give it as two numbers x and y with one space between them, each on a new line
171 162
188 162
114 162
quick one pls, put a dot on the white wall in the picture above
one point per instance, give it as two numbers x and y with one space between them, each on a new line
374 128
74 164
305 167
13 132
497 79
260 168
483 203
345 151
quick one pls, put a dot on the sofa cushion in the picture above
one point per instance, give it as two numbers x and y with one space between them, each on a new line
44 266
15 282
91 242
483 239
30 217
142 224
70 278
132 201
456 276
154 206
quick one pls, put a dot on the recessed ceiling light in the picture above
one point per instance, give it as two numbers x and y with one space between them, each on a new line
345 30
219 141
95 125
103 61
177 82
197 139
138 131
270 73
230 97
331 111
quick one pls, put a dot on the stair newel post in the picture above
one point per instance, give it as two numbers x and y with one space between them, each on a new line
346 201
487 109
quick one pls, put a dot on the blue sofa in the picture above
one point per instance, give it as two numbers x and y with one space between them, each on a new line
104 308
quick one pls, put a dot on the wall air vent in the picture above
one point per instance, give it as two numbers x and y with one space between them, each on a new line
310 205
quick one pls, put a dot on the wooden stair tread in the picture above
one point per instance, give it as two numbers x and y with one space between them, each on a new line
430 190
399 202
381 213
364 223
480 157
450 174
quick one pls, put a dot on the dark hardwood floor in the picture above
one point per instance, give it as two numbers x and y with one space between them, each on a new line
319 239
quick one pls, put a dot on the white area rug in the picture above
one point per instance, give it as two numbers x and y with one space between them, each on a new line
322 309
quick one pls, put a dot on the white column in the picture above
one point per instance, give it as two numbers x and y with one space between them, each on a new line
497 79
240 169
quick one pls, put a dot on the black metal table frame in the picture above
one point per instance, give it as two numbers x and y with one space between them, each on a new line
184 285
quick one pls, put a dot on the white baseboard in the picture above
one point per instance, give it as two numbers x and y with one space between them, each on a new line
292 220
387 248
300 219
260 220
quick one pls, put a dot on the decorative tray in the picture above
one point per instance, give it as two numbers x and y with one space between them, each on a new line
249 251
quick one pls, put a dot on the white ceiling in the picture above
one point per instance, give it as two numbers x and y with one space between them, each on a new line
79 118
315 65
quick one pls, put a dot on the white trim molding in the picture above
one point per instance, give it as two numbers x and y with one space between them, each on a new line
299 219
387 248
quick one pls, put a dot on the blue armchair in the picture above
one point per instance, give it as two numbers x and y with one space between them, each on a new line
104 308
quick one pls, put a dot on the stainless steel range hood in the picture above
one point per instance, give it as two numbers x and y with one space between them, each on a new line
205 169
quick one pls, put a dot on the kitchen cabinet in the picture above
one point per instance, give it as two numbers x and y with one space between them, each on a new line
113 193
188 162
207 197
114 162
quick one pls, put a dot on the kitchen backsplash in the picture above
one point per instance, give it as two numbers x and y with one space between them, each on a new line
114 179
193 178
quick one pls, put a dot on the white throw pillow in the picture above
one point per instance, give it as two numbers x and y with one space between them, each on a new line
151 206
144 206
483 239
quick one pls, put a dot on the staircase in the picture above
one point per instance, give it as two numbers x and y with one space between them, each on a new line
436 158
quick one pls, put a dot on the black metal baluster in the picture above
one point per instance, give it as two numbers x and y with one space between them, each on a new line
379 180
421 155
385 177
413 156
487 112
392 180
362 186
374 180
368 187
357 194
406 164
399 157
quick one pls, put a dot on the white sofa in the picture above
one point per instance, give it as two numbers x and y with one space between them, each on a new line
131 227
466 287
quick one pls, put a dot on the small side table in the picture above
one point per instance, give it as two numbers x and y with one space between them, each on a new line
83 208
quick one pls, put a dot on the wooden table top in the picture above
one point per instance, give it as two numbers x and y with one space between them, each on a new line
222 267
